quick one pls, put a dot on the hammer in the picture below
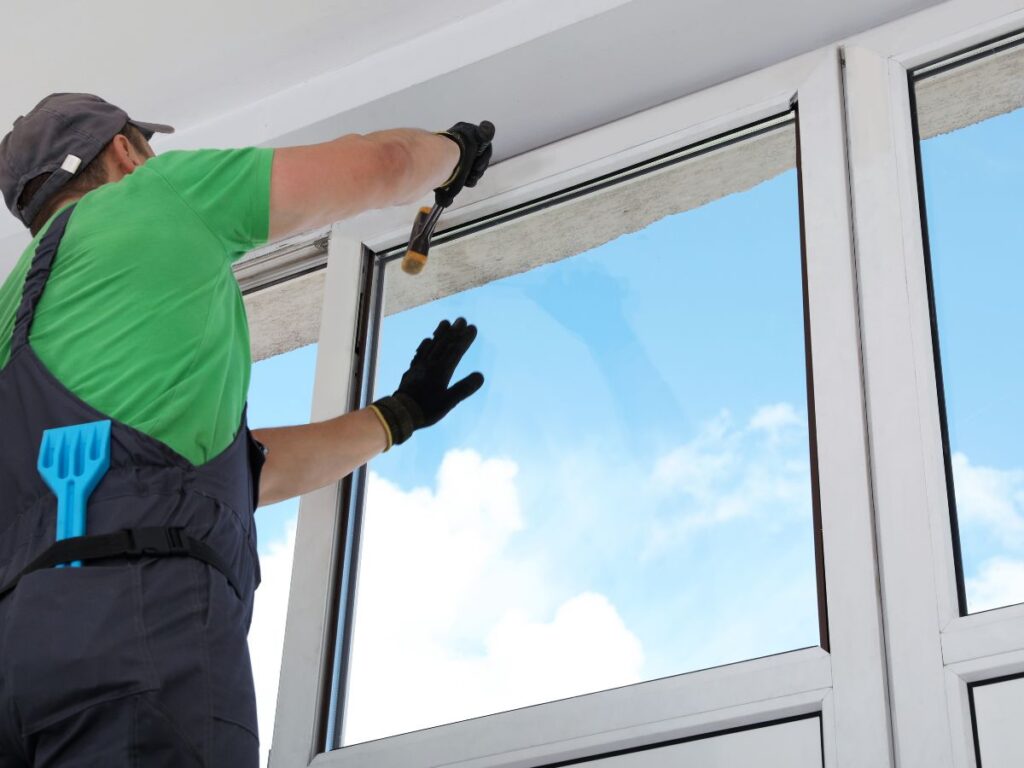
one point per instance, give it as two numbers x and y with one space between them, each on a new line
415 258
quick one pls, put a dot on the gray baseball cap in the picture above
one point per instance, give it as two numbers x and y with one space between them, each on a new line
63 133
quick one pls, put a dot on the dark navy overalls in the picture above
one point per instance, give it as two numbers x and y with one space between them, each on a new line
139 658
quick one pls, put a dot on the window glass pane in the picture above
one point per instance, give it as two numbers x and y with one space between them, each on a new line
629 495
280 394
796 744
998 737
973 175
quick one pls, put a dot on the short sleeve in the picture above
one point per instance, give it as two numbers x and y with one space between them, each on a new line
228 189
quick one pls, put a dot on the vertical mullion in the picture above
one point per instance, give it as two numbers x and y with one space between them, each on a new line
354 503
918 585
302 718
860 723
961 719
954 525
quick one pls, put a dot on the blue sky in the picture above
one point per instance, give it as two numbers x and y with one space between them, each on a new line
609 376
633 480
281 394
974 190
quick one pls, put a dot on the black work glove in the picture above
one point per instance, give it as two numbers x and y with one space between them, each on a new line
475 146
423 397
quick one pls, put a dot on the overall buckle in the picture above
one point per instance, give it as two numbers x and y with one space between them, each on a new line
156 542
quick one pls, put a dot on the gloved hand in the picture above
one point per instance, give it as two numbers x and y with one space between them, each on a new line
475 146
424 397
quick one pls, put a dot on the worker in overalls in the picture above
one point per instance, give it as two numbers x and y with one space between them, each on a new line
126 646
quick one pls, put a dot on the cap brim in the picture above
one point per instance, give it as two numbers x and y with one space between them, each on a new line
148 129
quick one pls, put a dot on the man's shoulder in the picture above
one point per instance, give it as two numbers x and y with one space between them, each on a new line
227 189
192 171
188 207
208 162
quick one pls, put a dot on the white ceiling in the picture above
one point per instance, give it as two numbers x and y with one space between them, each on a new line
239 72
187 61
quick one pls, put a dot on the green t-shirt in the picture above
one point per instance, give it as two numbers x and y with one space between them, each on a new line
142 317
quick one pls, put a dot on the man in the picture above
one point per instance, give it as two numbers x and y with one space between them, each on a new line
124 307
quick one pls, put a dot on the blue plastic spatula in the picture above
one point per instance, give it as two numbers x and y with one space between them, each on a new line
72 461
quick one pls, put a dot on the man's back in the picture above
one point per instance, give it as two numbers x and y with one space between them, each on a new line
142 317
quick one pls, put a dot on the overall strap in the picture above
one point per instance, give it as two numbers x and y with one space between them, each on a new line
35 281
132 543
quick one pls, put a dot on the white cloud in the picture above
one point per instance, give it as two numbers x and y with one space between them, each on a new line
725 473
992 499
450 625
425 551
773 418
990 516
697 467
1000 582
433 580
455 619
266 634
585 647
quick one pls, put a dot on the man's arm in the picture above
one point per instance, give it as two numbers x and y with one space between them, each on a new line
316 185
303 458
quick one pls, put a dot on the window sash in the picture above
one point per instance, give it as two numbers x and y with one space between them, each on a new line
859 187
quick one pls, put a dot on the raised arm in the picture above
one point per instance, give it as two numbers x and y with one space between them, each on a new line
315 185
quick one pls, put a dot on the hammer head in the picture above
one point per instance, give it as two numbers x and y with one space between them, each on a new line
415 258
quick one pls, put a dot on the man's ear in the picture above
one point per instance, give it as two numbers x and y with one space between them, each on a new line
122 155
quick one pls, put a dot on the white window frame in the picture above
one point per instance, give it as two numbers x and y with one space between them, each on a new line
933 652
893 690
847 685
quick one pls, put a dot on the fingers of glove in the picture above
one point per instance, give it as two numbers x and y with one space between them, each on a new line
439 339
444 335
425 351
463 389
465 135
468 132
473 139
422 352
442 328
481 164
475 154
450 349
444 196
